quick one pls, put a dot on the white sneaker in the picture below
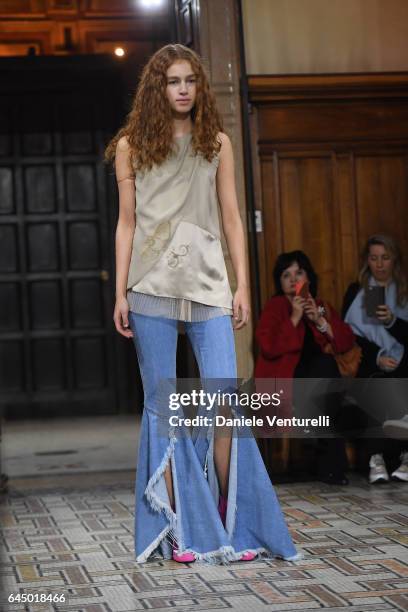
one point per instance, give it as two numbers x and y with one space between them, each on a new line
397 429
401 473
378 471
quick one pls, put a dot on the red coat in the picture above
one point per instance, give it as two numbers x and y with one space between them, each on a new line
281 342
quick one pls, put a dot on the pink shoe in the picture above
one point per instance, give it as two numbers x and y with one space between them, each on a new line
186 557
248 556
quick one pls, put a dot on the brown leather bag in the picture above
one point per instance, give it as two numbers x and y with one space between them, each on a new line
347 362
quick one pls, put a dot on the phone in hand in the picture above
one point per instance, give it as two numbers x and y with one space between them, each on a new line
302 289
374 297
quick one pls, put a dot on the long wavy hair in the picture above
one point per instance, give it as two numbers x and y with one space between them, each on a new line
398 273
148 127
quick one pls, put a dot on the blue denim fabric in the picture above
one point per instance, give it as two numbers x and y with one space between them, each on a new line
254 519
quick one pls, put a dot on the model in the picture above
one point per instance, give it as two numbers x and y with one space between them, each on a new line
199 496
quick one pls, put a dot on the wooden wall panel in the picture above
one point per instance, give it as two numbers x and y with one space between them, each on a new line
270 240
18 7
87 8
345 222
307 212
382 194
66 27
113 7
14 38
334 121
339 171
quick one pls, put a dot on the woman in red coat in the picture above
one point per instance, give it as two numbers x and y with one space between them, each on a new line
293 333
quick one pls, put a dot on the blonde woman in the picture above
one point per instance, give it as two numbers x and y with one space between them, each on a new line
383 337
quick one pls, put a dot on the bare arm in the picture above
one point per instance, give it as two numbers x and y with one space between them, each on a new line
124 234
233 229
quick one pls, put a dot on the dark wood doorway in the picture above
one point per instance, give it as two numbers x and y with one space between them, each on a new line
58 349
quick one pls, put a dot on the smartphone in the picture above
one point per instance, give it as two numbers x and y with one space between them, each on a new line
302 289
373 298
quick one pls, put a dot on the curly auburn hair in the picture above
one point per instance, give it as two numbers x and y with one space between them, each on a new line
398 274
148 127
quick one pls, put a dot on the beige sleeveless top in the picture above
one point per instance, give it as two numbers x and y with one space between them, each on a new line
177 267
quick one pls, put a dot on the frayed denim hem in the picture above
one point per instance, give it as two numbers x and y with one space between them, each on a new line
159 505
150 549
227 554
155 502
172 536
223 556
193 522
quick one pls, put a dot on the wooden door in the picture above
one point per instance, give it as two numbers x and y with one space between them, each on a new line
57 342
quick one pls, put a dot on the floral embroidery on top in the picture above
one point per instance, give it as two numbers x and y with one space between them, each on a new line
173 259
156 243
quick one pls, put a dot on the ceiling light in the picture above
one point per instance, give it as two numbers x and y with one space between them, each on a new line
151 3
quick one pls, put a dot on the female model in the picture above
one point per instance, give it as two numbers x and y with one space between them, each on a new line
384 343
199 496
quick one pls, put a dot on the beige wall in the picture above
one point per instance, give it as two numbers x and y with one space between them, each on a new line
311 36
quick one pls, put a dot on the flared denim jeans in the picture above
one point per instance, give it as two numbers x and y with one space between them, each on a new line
254 520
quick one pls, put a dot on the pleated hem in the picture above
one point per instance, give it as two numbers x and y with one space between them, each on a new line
180 309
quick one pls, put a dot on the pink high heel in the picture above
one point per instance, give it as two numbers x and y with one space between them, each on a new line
248 556
186 557
222 509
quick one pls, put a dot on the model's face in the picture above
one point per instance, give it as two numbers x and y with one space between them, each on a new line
380 263
290 277
181 87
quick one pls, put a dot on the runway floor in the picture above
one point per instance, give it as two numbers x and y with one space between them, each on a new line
71 536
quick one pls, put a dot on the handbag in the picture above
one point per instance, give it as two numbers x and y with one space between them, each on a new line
348 361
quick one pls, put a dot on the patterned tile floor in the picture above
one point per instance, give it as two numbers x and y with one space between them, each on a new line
72 537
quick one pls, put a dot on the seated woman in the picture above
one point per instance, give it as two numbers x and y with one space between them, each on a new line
293 333
383 338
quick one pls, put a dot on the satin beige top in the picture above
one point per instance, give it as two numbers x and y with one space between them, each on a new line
176 249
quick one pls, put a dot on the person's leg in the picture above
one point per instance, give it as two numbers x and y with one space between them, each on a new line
331 451
178 534
155 340
214 348
396 394
254 521
382 398
222 454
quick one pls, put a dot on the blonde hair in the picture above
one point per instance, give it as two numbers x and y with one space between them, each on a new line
398 273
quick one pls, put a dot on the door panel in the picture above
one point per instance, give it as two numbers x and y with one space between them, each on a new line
382 194
57 340
333 169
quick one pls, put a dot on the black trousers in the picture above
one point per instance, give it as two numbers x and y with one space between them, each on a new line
392 402
331 451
